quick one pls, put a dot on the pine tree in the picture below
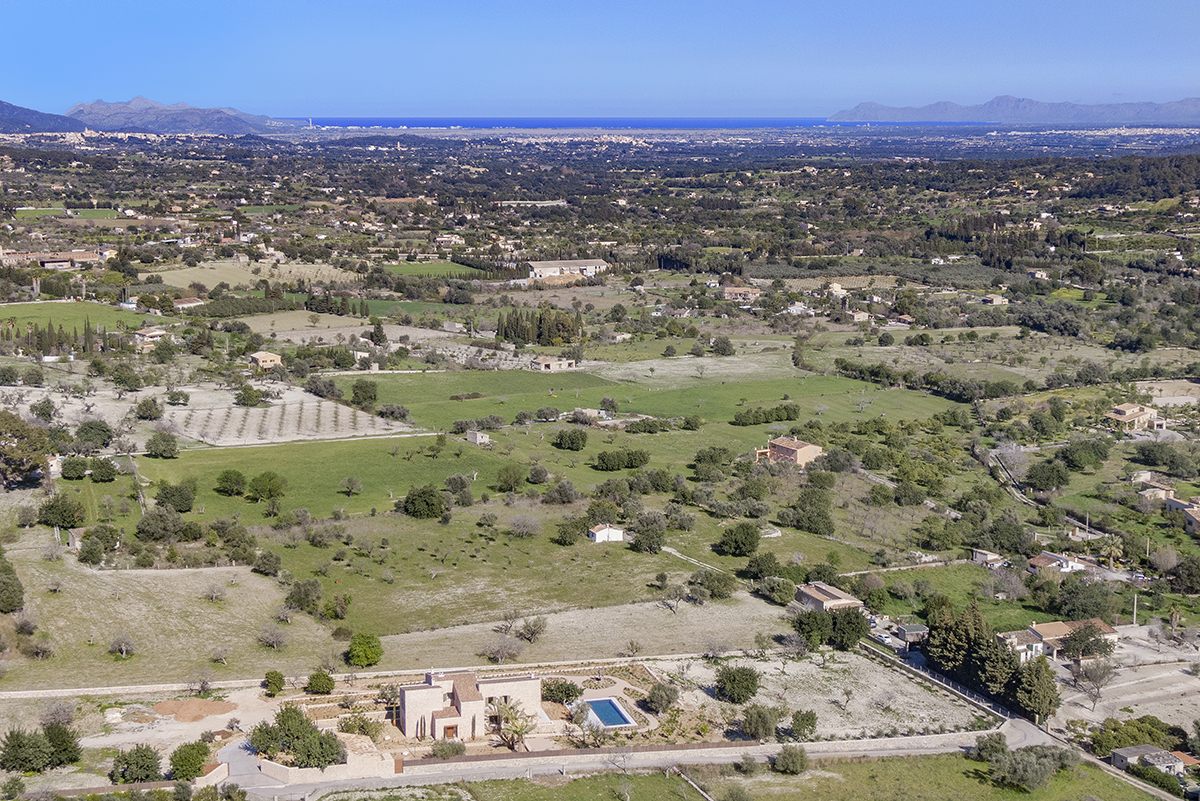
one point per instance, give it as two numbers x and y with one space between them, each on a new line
1037 691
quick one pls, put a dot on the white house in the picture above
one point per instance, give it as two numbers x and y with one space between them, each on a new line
478 438
605 532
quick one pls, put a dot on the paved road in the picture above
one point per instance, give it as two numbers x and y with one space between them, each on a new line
1019 733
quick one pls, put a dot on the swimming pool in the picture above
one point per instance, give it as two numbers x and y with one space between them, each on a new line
609 713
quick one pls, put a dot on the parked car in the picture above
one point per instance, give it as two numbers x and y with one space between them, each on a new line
884 638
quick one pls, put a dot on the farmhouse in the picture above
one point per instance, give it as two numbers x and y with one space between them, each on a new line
1135 417
264 360
817 596
453 706
551 364
479 438
1024 643
146 339
986 558
788 449
746 294
1063 564
1122 758
1039 275
1046 638
860 316
605 532
566 268
994 300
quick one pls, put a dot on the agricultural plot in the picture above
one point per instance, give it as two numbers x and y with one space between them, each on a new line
174 627
235 273
853 695
210 417
71 315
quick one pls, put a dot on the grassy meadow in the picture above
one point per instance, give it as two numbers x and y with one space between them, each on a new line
70 316
925 778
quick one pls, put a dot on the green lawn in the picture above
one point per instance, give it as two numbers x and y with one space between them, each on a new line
927 778
25 213
68 315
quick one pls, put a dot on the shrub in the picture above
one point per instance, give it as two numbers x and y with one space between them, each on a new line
162 446
63 510
319 683
25 752
737 685
739 540
424 502
444 749
365 650
662 697
571 439
273 683
188 761
804 725
139 764
74 468
791 760
103 470
560 691
148 409
760 722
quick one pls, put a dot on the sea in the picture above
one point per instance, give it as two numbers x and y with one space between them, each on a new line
607 123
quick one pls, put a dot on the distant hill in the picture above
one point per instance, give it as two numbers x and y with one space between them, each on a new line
1018 110
143 115
15 119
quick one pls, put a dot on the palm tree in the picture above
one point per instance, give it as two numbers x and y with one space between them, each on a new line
1111 548
513 725
1174 611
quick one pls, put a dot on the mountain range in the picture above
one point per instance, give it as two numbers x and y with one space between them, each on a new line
1022 111
143 115
17 119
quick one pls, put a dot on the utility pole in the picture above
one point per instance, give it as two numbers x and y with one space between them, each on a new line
1135 608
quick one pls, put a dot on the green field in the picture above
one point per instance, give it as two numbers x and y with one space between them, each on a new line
69 315
926 778
26 213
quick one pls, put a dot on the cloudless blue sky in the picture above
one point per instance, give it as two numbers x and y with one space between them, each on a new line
592 58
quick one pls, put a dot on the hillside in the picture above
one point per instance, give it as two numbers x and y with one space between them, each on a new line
142 114
17 119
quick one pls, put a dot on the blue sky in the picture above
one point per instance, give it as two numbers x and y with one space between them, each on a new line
658 58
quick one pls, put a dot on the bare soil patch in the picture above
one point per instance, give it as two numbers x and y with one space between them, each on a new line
193 709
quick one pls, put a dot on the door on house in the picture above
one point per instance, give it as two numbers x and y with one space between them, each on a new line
451 733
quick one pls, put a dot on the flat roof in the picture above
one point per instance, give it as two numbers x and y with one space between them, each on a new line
825 592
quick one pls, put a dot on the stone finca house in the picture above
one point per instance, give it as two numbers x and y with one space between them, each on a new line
454 706
604 532
789 449
1135 417
1045 639
264 360
817 596
1055 561
566 270
481 438
550 364
1149 755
